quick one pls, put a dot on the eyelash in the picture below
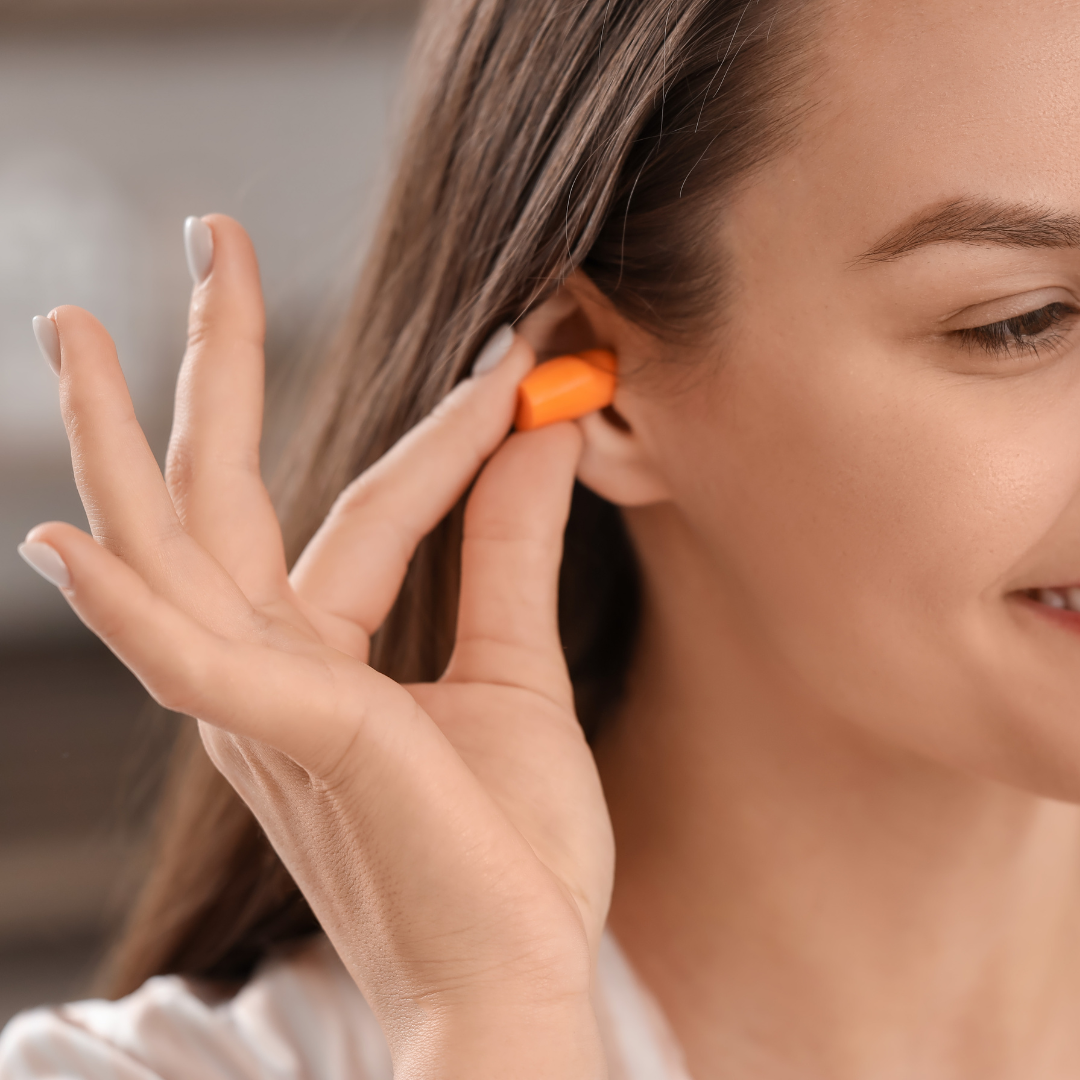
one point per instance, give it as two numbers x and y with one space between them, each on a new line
1022 333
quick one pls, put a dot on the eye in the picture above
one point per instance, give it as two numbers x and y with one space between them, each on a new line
1025 333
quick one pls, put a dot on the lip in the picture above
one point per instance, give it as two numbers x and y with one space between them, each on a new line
1063 617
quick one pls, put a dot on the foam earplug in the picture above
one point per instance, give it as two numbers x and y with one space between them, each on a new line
566 388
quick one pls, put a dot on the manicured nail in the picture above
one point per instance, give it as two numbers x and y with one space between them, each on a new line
493 352
47 562
199 247
48 339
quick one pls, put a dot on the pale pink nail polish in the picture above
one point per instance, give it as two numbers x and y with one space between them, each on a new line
498 345
199 248
47 562
48 339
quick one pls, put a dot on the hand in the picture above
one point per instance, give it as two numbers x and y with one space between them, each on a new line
452 838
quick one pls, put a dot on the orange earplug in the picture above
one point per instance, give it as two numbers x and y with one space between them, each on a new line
566 388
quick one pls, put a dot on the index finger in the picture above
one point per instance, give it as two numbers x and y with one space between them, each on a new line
356 563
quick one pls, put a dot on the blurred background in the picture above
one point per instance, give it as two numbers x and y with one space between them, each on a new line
118 118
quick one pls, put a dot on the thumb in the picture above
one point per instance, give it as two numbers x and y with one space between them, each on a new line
508 628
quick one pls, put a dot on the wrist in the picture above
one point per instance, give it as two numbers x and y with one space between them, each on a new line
500 1040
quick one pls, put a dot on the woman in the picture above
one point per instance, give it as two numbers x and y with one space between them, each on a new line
816 602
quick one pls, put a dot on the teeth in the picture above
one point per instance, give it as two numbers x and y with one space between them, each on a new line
1061 598
1053 598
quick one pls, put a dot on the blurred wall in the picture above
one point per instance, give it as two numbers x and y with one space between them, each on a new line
118 118
57 14
110 135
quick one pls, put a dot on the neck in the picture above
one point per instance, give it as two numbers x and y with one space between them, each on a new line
806 901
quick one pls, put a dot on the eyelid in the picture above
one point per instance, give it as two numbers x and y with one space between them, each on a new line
1008 307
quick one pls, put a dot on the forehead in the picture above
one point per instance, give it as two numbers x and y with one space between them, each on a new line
922 100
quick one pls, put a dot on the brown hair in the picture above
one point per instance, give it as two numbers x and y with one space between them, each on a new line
547 135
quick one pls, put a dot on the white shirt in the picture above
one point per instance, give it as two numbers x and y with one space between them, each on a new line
300 1018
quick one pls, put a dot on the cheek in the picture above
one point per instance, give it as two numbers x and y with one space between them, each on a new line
867 517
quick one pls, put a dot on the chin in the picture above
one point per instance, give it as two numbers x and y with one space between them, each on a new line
990 692
1023 698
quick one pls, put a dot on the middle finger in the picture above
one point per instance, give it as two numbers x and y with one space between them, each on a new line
213 463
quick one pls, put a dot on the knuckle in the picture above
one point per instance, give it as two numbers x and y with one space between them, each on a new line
109 626
216 321
179 465
180 689
172 696
355 495
198 330
181 685
450 405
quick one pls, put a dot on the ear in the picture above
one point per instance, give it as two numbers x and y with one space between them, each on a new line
616 462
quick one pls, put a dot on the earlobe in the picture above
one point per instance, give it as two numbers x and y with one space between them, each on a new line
615 462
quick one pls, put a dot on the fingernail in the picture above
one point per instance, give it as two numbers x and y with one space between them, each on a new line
47 562
493 352
48 339
199 247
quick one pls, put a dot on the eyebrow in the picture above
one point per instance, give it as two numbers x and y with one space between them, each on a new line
976 221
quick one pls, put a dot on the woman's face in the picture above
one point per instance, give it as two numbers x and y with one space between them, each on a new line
879 485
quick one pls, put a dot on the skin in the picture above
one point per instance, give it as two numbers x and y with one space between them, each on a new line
452 838
843 783
829 781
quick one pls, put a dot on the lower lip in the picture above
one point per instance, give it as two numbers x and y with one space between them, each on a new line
1063 617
